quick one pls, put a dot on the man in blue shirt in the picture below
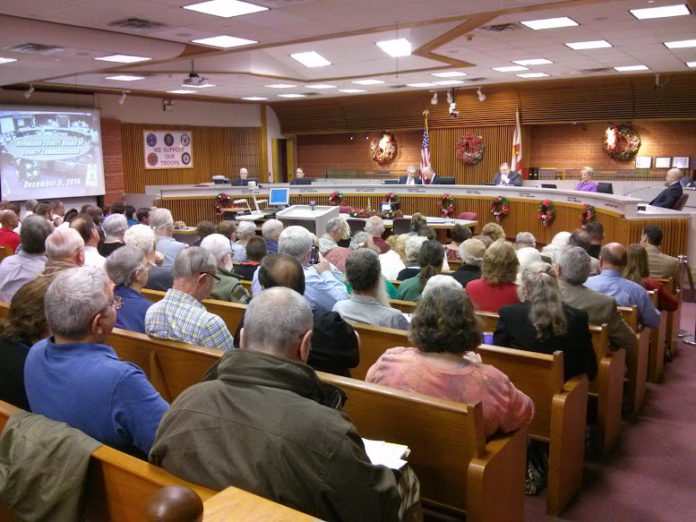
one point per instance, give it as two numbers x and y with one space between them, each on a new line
74 377
162 221
612 260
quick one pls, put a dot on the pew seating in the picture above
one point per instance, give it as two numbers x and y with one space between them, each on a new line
407 307
673 318
658 337
637 362
246 284
5 251
457 469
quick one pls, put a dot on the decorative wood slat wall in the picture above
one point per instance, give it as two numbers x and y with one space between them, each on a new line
216 150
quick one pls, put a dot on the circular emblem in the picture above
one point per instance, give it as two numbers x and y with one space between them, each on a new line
168 140
185 158
152 159
185 140
151 139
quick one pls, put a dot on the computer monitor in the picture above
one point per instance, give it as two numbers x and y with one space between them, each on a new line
390 181
302 181
549 185
606 188
445 181
279 197
385 207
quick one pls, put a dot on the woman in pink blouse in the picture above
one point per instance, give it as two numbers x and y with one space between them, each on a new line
442 364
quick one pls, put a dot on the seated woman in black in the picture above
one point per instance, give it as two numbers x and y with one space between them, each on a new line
24 325
543 323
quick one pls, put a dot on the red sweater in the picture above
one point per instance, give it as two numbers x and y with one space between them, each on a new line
490 298
8 237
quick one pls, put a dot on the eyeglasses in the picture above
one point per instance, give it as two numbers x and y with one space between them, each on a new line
117 304
216 278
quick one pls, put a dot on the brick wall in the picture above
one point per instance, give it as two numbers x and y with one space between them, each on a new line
113 161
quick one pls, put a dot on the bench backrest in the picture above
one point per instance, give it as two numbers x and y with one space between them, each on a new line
408 307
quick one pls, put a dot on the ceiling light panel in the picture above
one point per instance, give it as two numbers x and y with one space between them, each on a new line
660 12
352 91
533 61
291 95
593 44
368 82
632 68
449 74
550 23
182 91
225 8
201 86
123 58
449 82
280 86
125 78
532 75
254 98
310 59
421 84
691 64
510 68
7 60
396 48
320 86
681 44
224 41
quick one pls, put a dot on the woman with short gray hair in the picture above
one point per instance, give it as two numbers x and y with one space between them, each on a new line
114 227
129 270
245 231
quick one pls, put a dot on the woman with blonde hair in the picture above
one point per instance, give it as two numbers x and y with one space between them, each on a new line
637 270
496 287
494 231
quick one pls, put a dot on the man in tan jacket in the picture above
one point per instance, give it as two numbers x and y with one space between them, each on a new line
659 264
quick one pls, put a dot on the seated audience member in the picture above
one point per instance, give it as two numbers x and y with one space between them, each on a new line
573 269
227 286
393 261
128 269
375 227
427 232
328 243
439 281
115 225
494 231
243 428
89 232
487 241
256 251
130 215
143 237
459 234
143 215
65 249
612 261
596 231
411 249
442 363
507 178
417 222
24 325
411 177
44 210
659 264
204 229
581 238
668 197
22 267
229 230
162 223
74 377
558 243
542 323
119 207
637 270
525 240
180 315
245 231
364 240
526 256
368 302
270 230
471 254
430 259
496 287
586 184
94 212
57 213
8 222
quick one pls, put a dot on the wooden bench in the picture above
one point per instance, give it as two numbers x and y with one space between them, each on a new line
636 361
658 337
561 407
407 307
457 469
673 318
5 251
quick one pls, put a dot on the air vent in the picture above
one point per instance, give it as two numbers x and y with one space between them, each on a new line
311 93
35 48
476 80
397 86
501 28
596 70
139 24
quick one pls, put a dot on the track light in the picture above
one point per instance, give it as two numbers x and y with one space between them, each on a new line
433 100
481 96
450 96
29 92
122 99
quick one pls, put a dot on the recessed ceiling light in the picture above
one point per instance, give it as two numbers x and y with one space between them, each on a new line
630 68
532 75
449 74
681 44
593 44
292 95
510 68
7 60
421 84
123 58
202 86
225 8
449 82
280 86
367 82
550 23
311 59
224 41
691 64
660 12
125 78
254 98
533 61
352 91
183 91
320 86
396 48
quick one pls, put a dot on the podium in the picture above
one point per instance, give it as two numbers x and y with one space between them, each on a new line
313 219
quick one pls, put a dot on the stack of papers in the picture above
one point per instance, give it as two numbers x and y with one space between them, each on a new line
386 453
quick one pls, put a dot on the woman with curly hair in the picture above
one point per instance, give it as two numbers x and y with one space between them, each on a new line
494 231
445 331
496 287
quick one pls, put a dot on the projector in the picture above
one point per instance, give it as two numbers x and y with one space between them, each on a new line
194 80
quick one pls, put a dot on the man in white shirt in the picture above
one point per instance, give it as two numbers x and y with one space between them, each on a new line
90 235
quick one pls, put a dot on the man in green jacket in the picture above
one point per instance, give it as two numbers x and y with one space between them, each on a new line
227 287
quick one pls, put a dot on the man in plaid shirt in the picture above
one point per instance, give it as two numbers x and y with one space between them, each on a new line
180 316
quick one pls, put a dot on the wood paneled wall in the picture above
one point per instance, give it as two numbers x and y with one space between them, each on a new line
113 161
216 150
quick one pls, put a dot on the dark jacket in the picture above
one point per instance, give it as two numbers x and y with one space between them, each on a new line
270 426
466 273
517 331
404 179
668 197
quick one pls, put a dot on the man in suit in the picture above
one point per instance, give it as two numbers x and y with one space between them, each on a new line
668 197
410 178
507 178
573 269
242 181
429 176
659 264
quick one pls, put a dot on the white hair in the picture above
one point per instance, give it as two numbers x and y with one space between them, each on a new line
246 230
374 226
271 229
526 256
334 225
524 239
140 236
436 282
193 261
63 242
122 264
218 245
295 241
413 246
161 218
114 226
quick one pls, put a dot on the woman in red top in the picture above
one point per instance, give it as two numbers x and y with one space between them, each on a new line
497 287
637 270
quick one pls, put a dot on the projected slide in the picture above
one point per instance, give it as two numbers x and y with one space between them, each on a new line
49 153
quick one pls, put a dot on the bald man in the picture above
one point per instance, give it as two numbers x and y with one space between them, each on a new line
242 181
668 197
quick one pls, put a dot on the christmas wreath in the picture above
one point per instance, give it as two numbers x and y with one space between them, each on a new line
470 149
621 142
336 198
500 207
222 200
546 212
393 199
384 150
588 214
446 205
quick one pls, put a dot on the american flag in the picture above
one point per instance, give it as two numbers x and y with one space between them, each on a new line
425 153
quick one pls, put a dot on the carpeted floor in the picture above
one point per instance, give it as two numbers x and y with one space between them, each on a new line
651 475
